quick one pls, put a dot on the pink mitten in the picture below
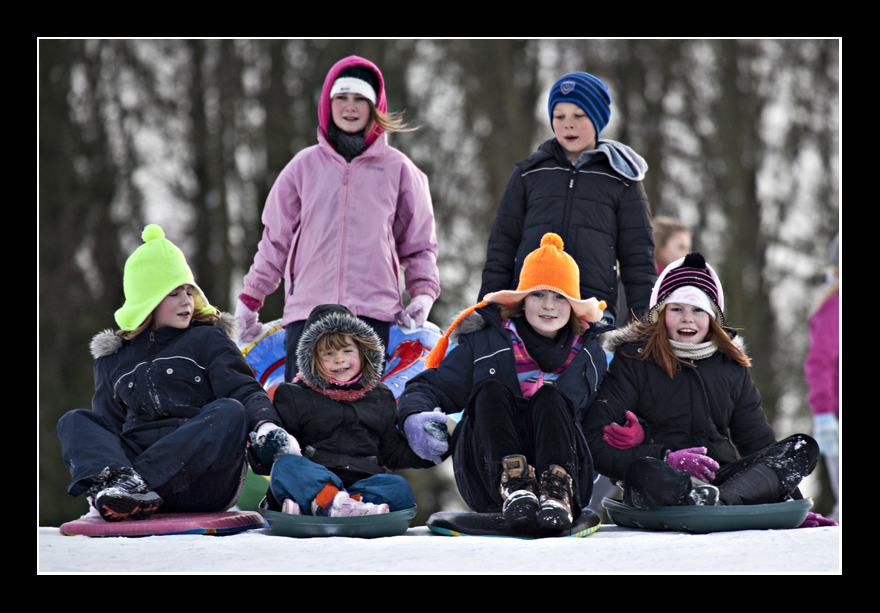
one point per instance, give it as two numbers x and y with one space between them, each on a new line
624 437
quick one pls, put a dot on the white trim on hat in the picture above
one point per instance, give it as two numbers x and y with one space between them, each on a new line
344 85
688 294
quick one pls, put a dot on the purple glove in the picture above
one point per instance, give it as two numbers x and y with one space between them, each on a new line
695 461
249 326
624 437
814 520
416 313
425 434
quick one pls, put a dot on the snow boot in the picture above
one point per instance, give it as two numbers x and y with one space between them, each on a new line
519 489
290 507
703 495
123 494
554 511
333 502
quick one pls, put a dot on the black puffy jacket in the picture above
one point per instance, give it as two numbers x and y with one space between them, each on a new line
161 378
603 218
710 403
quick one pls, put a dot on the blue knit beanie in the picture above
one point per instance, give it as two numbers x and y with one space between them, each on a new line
587 92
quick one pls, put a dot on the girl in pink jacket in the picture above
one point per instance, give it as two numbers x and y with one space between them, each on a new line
343 217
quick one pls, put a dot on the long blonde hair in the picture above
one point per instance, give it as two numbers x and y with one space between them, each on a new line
203 317
658 348
389 122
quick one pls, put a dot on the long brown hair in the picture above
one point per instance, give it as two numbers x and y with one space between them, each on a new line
658 348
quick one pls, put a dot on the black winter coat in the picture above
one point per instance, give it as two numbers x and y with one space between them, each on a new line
484 351
602 217
354 439
160 379
710 403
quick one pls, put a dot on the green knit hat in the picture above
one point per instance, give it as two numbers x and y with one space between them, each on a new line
155 269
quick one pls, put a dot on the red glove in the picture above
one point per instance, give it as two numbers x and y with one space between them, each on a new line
624 437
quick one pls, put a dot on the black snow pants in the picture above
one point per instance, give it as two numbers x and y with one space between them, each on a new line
764 477
196 466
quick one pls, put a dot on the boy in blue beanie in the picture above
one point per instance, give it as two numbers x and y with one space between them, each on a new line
591 195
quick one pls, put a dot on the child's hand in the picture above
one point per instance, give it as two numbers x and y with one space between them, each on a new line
416 313
420 430
624 437
695 461
249 326
270 442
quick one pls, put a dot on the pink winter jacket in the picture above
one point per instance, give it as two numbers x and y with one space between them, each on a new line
822 366
338 233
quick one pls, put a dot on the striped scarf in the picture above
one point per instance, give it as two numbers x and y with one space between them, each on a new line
530 376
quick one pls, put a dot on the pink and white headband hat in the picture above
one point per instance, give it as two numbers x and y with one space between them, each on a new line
344 85
688 280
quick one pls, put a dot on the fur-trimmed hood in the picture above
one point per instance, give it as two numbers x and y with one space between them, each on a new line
615 339
334 318
109 342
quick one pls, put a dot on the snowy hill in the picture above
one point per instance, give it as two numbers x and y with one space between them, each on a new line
611 549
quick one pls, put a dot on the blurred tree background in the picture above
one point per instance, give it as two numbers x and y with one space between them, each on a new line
741 136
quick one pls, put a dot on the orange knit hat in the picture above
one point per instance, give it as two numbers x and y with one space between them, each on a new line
546 268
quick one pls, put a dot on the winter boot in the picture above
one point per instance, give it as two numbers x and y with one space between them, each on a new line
554 511
290 507
333 502
123 494
704 495
519 489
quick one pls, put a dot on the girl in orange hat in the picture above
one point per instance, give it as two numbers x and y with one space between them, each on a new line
526 365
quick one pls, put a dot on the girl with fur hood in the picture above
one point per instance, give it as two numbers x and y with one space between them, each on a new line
678 418
365 198
174 399
340 427
526 365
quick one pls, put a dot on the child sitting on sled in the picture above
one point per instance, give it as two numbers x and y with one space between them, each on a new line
174 399
678 418
340 427
526 365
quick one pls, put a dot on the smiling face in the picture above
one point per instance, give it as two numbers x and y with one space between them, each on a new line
686 323
175 310
350 112
574 130
547 312
340 364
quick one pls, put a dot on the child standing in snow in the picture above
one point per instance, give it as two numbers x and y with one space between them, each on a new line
174 399
678 418
340 426
587 190
526 365
343 216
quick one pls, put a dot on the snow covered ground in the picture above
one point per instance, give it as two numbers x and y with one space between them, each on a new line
611 549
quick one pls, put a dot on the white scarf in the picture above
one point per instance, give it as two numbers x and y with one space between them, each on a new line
693 352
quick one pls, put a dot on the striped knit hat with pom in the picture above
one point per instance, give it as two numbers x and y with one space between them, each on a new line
674 283
586 91
546 268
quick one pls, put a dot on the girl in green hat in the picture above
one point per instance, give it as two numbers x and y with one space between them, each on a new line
174 399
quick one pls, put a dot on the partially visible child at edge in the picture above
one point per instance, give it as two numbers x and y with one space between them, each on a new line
526 366
822 372
678 418
174 399
343 217
340 427
672 240
588 191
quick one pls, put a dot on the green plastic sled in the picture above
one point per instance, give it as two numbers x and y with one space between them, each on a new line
703 519
370 526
